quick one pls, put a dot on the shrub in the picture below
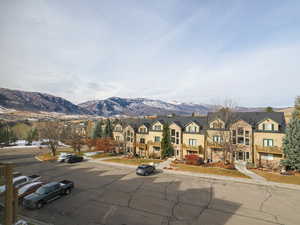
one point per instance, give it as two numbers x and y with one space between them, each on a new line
193 160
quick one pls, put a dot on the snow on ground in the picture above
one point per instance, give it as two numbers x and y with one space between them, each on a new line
35 144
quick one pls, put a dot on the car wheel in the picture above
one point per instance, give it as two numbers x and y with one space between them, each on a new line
39 205
67 191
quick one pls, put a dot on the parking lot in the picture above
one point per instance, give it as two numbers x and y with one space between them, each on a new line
116 196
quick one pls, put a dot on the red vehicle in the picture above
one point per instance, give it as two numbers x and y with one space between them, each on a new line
28 189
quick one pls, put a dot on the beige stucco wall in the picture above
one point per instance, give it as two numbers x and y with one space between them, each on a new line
200 139
260 136
277 142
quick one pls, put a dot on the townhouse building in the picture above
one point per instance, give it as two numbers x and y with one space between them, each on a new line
254 137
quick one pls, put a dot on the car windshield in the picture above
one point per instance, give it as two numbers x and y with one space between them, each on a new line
142 167
42 191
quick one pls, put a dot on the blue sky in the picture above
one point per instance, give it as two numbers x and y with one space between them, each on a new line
189 51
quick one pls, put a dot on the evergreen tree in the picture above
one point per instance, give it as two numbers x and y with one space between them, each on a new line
291 144
166 146
269 109
7 136
108 129
32 136
98 132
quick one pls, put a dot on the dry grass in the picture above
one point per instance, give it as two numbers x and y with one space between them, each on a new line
276 177
134 161
102 155
210 170
47 157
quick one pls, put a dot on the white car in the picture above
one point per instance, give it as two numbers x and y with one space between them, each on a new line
20 181
63 156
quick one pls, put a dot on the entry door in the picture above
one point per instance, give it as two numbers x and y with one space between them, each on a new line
241 156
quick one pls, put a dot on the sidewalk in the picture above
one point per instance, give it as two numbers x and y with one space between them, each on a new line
241 167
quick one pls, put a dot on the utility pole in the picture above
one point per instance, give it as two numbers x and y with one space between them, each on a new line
9 210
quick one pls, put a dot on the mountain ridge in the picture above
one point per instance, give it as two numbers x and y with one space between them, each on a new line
112 106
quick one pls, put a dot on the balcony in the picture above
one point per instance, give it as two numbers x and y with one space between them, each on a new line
153 143
214 145
199 149
141 145
271 150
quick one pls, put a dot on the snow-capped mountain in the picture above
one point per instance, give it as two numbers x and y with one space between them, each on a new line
140 107
36 101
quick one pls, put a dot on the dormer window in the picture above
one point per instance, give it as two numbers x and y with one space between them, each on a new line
268 126
118 128
143 130
157 127
217 124
192 129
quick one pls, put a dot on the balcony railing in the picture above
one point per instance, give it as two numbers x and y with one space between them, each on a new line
265 149
199 148
140 145
215 145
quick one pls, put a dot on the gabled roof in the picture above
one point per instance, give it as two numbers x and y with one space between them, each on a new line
253 118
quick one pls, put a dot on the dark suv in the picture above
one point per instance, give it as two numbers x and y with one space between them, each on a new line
145 170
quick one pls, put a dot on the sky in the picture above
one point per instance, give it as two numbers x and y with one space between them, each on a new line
189 51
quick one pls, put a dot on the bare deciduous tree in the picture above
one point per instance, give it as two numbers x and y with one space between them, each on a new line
225 117
51 132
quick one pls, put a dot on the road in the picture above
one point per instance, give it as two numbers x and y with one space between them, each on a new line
116 196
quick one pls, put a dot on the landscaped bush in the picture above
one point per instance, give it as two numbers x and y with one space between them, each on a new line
219 165
193 160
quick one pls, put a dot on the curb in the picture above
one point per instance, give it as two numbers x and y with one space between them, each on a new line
38 159
113 164
211 177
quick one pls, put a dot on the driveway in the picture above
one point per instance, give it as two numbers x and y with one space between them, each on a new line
116 196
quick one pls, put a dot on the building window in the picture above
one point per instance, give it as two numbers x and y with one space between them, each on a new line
172 132
192 129
156 139
247 141
128 133
217 139
177 152
128 138
177 134
247 133
142 140
173 140
156 149
268 142
143 130
240 131
177 141
240 140
234 133
193 142
118 128
157 127
247 155
268 126
234 140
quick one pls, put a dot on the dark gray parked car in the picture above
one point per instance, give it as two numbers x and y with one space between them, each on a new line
47 193
145 170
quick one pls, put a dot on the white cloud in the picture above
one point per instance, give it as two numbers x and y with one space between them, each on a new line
171 51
